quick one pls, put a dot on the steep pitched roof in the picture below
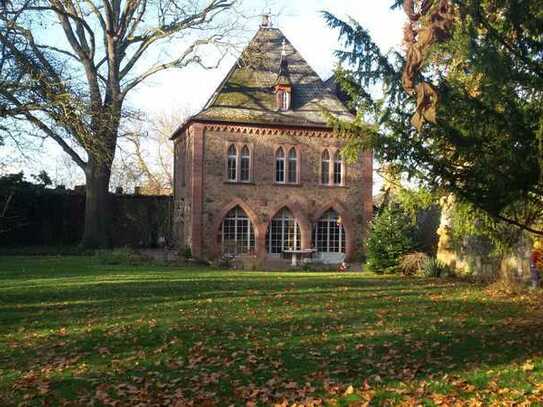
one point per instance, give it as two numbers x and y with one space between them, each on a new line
247 93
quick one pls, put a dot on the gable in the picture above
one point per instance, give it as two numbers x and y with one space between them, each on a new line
247 93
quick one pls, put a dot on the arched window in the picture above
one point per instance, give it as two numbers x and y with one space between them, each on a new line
292 166
237 233
329 234
285 100
338 169
325 167
280 165
283 233
231 171
245 165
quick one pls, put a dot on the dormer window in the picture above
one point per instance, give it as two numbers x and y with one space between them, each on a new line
283 84
283 99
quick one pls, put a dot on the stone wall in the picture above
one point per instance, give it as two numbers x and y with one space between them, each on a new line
474 255
262 198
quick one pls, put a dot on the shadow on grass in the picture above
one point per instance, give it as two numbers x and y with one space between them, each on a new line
174 333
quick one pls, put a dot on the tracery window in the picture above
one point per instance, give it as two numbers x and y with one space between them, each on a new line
338 169
292 166
283 233
245 164
238 163
329 233
232 165
280 165
325 167
237 233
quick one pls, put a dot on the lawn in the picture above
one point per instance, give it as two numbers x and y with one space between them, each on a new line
74 332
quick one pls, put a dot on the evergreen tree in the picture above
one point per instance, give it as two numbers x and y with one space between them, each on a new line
484 140
392 235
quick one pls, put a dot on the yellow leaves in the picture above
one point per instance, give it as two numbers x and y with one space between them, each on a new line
528 366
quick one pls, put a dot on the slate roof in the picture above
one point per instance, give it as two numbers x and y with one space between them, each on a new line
247 93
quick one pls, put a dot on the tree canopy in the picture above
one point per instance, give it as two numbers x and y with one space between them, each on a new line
462 104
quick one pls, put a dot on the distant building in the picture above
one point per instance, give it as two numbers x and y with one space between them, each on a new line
258 171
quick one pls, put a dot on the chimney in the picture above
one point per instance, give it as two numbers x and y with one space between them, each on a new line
266 21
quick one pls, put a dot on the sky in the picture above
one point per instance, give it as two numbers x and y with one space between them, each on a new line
301 21
186 91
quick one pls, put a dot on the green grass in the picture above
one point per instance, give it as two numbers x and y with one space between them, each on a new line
76 332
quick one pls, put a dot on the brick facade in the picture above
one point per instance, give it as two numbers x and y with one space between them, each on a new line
203 196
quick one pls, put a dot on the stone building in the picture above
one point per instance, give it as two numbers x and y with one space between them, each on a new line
259 172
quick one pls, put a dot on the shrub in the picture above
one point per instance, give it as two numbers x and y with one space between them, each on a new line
392 236
124 256
436 269
413 263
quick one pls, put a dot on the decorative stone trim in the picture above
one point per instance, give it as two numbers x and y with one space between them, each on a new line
237 128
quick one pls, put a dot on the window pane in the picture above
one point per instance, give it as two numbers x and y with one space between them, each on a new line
329 234
280 166
325 172
245 165
237 233
232 163
292 173
231 169
244 170
283 233
337 172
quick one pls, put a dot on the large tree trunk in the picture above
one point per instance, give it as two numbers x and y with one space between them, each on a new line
97 233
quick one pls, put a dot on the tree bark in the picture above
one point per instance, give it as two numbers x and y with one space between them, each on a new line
97 233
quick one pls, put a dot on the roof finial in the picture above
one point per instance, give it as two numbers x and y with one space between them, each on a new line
266 20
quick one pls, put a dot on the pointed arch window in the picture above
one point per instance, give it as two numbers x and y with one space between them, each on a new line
338 169
325 167
232 163
237 233
239 163
329 233
280 165
283 233
292 166
245 165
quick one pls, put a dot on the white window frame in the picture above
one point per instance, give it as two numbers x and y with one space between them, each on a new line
283 217
332 219
246 157
232 157
280 159
238 215
338 161
285 100
325 160
292 159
